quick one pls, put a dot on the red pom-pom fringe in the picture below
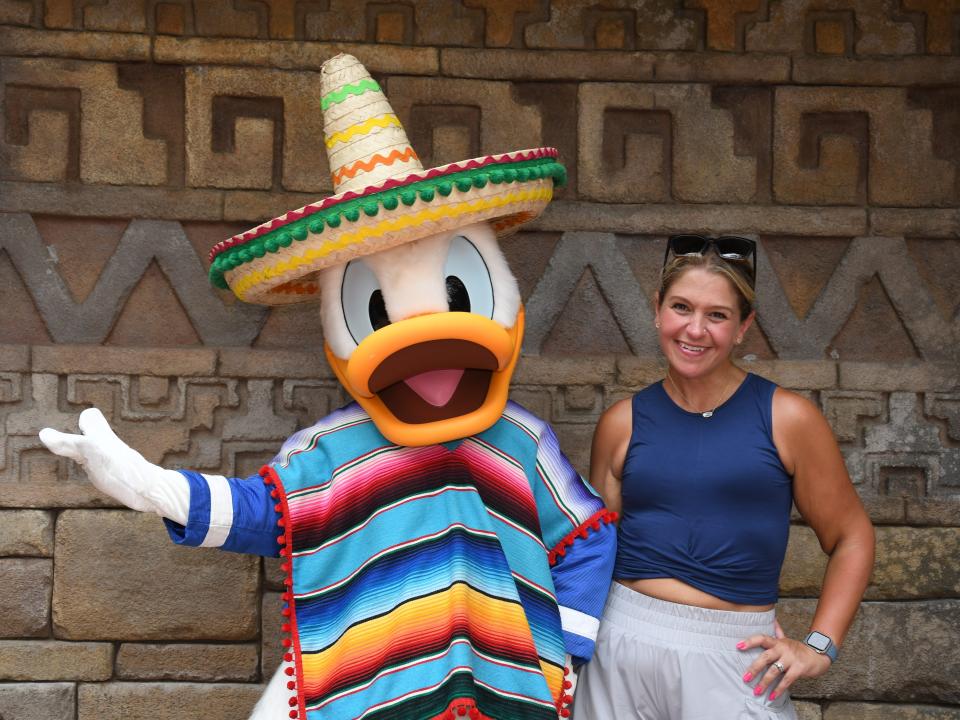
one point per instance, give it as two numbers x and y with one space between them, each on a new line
563 702
288 626
592 523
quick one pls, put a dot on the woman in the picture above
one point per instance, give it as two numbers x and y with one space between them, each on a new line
703 468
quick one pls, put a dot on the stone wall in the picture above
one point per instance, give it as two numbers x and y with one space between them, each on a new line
137 133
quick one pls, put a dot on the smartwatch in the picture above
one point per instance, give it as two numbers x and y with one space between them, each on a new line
822 645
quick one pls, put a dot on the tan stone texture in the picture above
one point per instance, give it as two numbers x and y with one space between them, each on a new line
916 70
118 577
886 711
25 597
27 533
185 662
108 117
38 701
911 564
28 42
646 142
165 701
913 376
53 660
95 360
856 145
547 65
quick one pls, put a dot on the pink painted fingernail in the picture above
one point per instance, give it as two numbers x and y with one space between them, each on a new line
748 677
741 645
757 690
773 695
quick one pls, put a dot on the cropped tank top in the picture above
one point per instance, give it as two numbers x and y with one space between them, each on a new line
706 500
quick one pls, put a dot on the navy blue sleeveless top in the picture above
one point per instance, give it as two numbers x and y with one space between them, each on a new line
706 500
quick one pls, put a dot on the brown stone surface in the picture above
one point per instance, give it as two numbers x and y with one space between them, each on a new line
918 70
53 660
546 65
183 662
91 359
918 376
118 577
721 67
888 711
637 373
807 710
795 374
165 701
26 533
38 701
911 564
928 222
14 358
894 652
561 371
246 362
25 597
28 42
271 652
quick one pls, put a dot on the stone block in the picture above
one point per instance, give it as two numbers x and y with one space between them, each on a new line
888 711
252 206
162 362
807 710
271 653
750 69
532 370
665 219
894 652
918 377
637 373
27 42
575 441
25 597
105 116
118 577
185 662
516 65
898 72
38 701
292 55
649 143
935 510
928 222
111 201
165 701
52 660
911 564
26 533
285 364
14 358
795 374
854 146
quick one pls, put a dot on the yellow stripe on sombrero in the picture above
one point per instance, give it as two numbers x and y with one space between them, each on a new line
256 277
380 121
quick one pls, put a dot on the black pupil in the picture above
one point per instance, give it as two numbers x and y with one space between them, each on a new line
378 311
457 296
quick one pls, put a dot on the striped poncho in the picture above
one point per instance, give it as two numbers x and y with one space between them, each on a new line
429 582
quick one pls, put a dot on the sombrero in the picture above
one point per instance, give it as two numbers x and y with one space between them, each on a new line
384 197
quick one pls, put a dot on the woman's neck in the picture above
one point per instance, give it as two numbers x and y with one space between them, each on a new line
704 394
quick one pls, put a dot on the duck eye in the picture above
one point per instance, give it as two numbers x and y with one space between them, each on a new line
362 301
469 288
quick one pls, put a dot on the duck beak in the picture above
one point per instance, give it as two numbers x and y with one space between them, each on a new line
433 378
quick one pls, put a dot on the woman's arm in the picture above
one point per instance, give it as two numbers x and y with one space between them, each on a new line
829 503
610 441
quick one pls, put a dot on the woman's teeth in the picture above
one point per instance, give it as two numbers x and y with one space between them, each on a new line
692 348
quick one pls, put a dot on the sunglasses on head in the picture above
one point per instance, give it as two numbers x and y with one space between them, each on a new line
731 248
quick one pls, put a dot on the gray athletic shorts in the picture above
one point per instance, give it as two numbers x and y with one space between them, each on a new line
658 660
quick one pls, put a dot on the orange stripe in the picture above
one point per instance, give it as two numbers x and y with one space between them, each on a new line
367 165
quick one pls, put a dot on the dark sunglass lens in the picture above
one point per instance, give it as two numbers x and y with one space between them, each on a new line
734 248
688 244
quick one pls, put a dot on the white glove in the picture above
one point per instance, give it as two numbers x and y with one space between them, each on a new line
120 471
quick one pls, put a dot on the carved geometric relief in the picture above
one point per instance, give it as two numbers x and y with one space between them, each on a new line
626 145
255 128
873 331
727 20
944 104
110 117
390 23
554 101
505 20
940 25
945 406
820 136
112 15
425 22
616 24
226 18
170 17
42 134
485 110
834 27
752 111
444 133
845 409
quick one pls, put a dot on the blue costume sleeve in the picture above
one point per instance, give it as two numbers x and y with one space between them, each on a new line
230 513
582 541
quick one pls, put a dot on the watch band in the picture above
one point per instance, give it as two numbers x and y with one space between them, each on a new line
830 650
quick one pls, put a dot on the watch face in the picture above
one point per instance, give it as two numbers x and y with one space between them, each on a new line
818 641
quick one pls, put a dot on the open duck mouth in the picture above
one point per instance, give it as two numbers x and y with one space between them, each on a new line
434 380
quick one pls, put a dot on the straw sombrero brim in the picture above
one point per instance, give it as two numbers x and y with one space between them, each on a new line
275 263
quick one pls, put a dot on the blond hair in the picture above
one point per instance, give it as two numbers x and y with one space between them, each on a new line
736 273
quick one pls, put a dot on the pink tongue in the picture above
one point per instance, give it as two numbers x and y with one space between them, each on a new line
436 386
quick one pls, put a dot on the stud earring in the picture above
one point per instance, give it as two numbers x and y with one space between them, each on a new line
739 340
657 324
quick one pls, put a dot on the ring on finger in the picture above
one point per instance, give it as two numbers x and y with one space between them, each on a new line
780 667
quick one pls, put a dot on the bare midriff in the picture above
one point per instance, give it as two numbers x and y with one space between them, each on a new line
676 591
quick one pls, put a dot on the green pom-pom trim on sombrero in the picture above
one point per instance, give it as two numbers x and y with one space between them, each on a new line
426 190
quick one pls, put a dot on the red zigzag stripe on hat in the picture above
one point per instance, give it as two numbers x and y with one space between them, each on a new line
368 165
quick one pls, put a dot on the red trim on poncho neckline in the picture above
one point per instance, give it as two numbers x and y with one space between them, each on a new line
592 523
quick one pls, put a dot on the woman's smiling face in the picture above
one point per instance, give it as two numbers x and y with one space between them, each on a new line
699 322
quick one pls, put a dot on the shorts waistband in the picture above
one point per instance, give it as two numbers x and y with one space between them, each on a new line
686 624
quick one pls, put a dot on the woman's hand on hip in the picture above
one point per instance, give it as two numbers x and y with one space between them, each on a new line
781 656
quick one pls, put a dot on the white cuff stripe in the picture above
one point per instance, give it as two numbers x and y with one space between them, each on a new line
221 511
579 623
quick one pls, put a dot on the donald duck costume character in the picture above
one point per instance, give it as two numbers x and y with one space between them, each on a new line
442 556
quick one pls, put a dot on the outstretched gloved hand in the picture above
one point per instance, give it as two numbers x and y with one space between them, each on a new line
120 471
